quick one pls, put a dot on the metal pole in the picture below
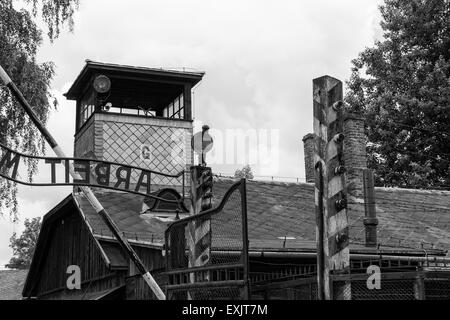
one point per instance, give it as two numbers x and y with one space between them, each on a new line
245 243
370 220
86 190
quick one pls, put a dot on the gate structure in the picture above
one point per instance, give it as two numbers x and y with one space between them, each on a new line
224 275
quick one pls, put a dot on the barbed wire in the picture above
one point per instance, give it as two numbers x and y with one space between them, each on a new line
272 177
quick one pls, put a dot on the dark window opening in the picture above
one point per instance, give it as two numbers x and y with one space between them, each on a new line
87 107
175 109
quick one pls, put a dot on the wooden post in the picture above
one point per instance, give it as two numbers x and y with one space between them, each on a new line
419 287
246 293
187 101
319 230
199 235
330 196
177 246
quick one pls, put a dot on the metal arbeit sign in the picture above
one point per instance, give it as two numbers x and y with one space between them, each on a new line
94 173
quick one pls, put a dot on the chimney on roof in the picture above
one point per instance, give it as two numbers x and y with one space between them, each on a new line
355 154
308 148
361 202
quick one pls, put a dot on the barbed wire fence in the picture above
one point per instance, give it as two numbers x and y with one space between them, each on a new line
274 178
207 254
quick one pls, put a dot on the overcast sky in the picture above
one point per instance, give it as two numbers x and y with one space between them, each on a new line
259 57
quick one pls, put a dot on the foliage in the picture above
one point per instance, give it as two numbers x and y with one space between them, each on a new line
23 246
402 87
245 172
20 39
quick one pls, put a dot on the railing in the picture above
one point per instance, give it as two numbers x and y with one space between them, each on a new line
415 285
297 289
200 251
404 279
138 112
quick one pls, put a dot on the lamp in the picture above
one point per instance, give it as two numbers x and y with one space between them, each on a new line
102 84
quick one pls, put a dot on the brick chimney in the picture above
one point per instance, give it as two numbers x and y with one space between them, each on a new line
356 164
355 155
308 147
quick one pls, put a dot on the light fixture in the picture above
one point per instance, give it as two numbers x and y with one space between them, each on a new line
286 238
102 84
107 107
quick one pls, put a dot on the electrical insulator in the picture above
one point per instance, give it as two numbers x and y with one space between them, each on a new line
339 170
337 105
205 189
341 204
339 138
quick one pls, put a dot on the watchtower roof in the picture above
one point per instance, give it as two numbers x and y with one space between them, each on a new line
130 72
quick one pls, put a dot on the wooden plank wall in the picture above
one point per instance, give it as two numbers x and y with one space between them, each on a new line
153 260
70 243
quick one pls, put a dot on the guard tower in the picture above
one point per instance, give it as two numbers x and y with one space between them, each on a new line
135 115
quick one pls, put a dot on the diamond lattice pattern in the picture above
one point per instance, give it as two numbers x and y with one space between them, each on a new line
158 148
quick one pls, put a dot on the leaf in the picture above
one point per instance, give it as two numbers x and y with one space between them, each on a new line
24 246
20 39
401 86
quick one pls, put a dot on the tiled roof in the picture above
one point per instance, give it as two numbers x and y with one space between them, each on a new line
125 209
412 219
11 284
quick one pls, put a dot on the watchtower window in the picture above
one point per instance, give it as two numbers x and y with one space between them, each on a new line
87 106
86 112
138 112
132 91
175 109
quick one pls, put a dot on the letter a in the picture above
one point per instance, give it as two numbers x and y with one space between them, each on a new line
74 281
374 280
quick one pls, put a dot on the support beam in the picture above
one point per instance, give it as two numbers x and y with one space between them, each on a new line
370 219
199 234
